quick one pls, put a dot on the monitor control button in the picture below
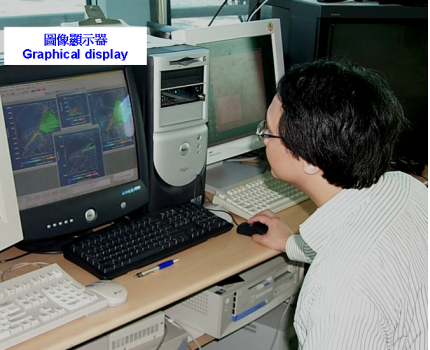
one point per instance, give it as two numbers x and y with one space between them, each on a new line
90 215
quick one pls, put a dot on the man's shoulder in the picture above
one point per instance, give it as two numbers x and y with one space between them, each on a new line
404 185
404 178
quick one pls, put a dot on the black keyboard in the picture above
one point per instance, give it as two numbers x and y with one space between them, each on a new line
133 243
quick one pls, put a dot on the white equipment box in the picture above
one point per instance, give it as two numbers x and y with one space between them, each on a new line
241 299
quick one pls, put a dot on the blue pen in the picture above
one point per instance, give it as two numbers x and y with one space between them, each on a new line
161 266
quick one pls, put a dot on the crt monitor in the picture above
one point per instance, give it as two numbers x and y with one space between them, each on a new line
10 222
389 39
400 55
246 62
77 148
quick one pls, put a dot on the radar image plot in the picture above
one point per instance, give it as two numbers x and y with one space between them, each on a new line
74 109
111 111
80 156
30 126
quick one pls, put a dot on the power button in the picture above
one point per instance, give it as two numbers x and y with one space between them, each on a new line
184 149
90 215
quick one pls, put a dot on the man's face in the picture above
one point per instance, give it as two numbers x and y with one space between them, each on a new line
284 166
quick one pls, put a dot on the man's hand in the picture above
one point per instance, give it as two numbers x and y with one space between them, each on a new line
278 231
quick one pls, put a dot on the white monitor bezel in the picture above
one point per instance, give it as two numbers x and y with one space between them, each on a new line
196 36
10 220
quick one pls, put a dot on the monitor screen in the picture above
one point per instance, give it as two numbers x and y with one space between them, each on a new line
246 62
76 147
242 84
389 39
397 50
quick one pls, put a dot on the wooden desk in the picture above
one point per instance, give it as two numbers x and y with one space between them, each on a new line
199 268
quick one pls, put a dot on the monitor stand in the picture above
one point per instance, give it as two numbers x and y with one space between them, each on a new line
227 173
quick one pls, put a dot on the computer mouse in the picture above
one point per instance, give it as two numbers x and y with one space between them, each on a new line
250 229
115 293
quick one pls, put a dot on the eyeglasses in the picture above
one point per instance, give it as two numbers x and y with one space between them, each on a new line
261 128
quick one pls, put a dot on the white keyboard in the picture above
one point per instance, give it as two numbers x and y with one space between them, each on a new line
38 301
256 194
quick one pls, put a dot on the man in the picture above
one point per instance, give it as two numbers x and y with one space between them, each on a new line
330 132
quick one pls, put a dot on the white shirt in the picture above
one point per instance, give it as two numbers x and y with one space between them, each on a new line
367 286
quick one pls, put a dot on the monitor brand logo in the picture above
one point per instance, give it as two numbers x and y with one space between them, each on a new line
131 190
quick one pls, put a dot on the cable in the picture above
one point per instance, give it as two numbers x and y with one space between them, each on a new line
253 9
279 322
17 266
258 9
164 337
176 323
206 200
14 258
225 211
195 191
216 14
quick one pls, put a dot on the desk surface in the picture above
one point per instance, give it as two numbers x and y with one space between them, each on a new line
199 268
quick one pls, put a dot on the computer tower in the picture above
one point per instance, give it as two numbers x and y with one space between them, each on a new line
174 93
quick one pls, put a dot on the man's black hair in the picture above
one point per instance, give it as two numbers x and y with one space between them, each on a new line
342 118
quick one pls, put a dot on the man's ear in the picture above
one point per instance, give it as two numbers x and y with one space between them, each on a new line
310 169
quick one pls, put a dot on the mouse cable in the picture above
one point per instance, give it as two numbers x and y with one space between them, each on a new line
206 200
224 211
171 320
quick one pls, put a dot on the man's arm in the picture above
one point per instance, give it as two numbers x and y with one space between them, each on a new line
298 250
280 237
